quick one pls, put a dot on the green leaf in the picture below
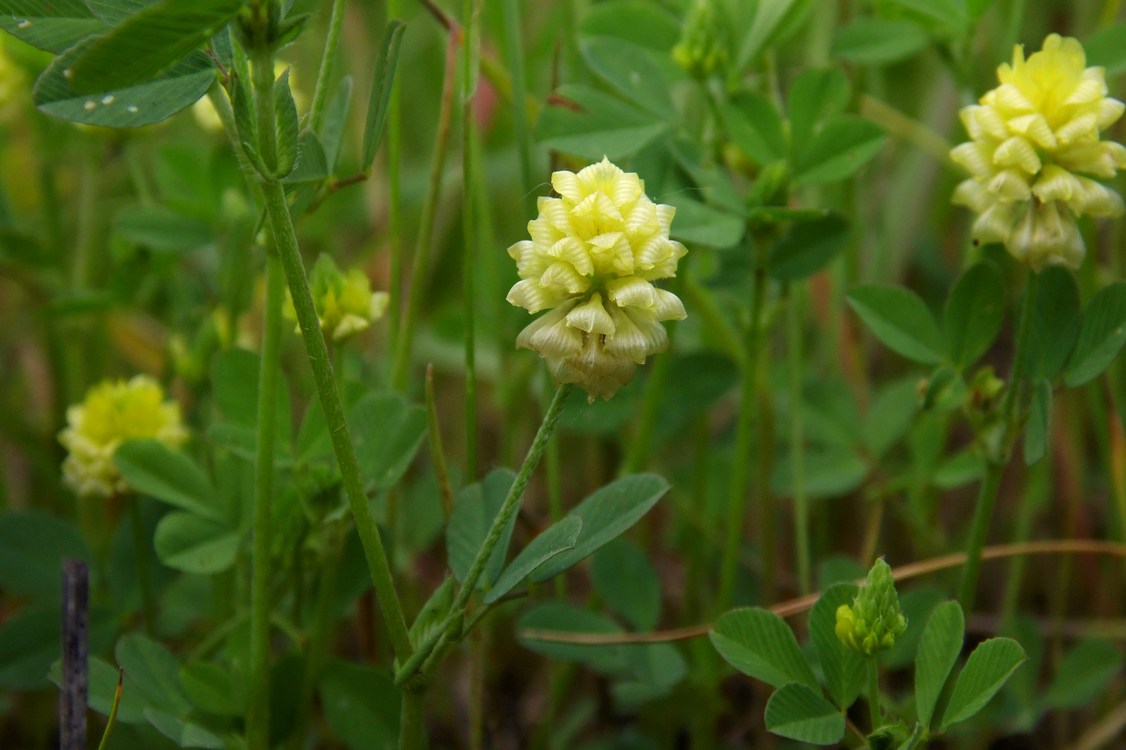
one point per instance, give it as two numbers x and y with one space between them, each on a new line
799 713
973 314
807 247
361 705
565 618
900 319
30 638
1084 674
1055 324
312 163
606 514
701 224
624 578
184 733
845 670
336 120
815 96
285 113
380 97
759 643
754 125
154 469
638 21
771 20
33 546
1101 335
1037 432
234 382
890 415
552 542
153 672
161 228
841 147
947 19
52 26
193 544
433 613
147 43
103 686
208 686
387 432
474 510
878 41
631 70
128 107
114 12
985 672
937 653
829 472
588 123
1107 49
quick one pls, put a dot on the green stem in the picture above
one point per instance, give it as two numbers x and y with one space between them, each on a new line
642 442
258 709
394 200
141 547
874 693
469 235
744 437
328 59
504 515
401 359
412 732
797 440
378 565
998 454
514 52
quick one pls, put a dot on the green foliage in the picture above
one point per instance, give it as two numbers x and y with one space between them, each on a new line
361 705
556 540
476 508
33 546
973 314
938 650
990 664
1101 335
605 515
844 669
900 319
798 712
379 99
759 643
148 42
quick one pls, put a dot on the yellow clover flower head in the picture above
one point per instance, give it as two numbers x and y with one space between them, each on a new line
345 303
874 621
115 411
1033 150
591 261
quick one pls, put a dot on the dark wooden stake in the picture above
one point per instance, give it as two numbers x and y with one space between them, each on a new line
72 695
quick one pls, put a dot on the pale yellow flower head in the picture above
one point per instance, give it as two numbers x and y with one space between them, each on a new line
345 303
1035 147
591 260
115 411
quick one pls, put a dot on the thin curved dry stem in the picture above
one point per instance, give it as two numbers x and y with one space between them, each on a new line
792 607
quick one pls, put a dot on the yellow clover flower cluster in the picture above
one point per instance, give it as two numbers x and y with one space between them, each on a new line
1035 140
344 302
874 620
591 261
115 411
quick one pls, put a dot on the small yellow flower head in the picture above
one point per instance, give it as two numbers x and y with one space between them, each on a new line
874 621
591 260
345 303
115 411
701 50
1035 146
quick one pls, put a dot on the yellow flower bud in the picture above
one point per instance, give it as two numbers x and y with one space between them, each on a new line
874 620
1033 140
345 303
115 411
591 261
